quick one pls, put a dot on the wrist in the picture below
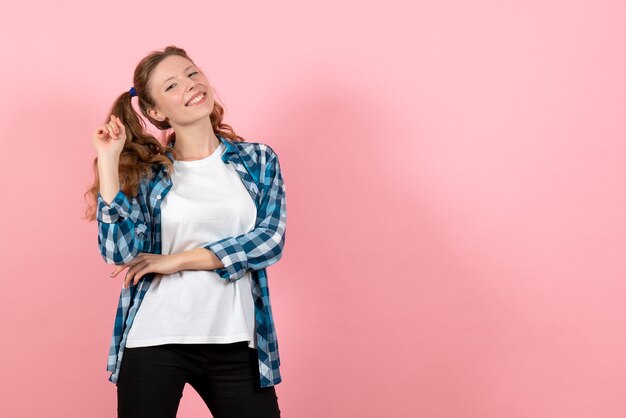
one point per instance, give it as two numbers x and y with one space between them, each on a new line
180 260
108 159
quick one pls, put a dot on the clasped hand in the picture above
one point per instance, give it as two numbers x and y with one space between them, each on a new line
147 263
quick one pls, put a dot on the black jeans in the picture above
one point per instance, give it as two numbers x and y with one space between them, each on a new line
226 376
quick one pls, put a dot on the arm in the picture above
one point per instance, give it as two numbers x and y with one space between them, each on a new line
120 233
198 259
262 246
121 228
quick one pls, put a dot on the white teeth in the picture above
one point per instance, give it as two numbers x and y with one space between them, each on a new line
196 100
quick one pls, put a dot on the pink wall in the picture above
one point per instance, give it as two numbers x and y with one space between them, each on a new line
455 184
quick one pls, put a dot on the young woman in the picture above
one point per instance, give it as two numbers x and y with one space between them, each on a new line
196 220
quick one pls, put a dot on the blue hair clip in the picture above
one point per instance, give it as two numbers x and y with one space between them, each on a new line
132 92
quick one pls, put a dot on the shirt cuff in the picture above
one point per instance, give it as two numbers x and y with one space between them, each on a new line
120 206
232 255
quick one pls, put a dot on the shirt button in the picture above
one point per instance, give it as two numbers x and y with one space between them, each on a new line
159 196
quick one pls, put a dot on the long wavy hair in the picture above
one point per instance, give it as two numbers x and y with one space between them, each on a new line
142 151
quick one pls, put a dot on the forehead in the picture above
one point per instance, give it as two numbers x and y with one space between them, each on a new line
170 66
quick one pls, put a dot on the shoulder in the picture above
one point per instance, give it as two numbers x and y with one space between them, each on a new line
256 155
256 150
260 159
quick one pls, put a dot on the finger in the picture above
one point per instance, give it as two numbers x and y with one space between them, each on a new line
117 269
127 279
119 122
112 130
140 274
105 132
132 271
132 267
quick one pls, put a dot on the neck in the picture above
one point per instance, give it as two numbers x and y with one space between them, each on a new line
195 141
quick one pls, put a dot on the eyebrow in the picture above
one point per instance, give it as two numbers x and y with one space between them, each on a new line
184 71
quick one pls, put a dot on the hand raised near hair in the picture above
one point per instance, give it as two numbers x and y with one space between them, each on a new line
109 139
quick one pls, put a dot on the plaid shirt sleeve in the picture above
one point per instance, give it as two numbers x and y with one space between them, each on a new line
121 228
262 246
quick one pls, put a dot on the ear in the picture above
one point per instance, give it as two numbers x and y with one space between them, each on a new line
155 114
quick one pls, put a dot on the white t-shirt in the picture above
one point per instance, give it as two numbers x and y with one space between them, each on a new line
207 202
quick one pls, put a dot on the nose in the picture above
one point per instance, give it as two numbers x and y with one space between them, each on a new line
192 85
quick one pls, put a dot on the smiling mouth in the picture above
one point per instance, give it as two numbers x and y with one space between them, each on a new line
196 100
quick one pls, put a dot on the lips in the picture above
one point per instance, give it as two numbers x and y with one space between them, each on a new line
194 96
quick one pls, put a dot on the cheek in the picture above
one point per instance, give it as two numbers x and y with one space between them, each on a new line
175 102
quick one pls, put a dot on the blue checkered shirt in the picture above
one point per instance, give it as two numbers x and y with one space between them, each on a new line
129 226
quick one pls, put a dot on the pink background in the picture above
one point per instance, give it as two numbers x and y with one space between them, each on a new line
456 195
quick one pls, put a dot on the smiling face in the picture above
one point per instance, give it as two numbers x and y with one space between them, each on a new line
174 82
